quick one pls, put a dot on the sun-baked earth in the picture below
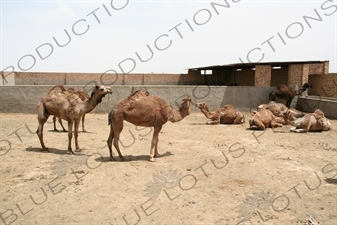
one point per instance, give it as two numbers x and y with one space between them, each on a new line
208 174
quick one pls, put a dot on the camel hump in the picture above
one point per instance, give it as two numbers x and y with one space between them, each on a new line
57 89
140 92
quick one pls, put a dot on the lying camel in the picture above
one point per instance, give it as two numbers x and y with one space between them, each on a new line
263 119
287 93
226 115
315 121
278 109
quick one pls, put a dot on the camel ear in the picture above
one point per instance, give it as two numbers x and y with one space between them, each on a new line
186 99
97 87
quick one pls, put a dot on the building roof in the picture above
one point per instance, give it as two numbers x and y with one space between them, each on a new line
252 65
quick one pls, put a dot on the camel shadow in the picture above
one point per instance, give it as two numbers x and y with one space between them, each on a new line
198 123
331 180
130 158
66 132
53 151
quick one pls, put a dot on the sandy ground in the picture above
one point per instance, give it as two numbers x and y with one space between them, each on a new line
222 174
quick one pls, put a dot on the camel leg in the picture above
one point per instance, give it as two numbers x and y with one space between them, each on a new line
275 124
109 141
60 122
39 132
288 103
117 129
83 118
77 124
212 122
70 135
298 130
42 117
256 125
54 122
154 144
239 118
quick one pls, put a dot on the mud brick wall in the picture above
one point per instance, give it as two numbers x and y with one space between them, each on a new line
324 85
295 75
31 78
279 76
39 78
245 77
298 74
263 75
319 68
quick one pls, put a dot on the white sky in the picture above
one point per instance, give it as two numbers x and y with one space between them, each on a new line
237 31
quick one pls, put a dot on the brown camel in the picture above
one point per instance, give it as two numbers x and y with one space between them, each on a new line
226 115
68 106
263 119
279 109
287 93
83 96
315 121
143 109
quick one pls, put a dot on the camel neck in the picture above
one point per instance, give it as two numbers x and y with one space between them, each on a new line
92 103
206 112
177 115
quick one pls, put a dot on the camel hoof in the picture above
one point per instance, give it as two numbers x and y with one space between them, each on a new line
157 155
45 150
122 159
79 150
152 160
112 159
70 152
253 127
84 131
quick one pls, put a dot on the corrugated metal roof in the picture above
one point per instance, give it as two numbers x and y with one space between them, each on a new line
252 65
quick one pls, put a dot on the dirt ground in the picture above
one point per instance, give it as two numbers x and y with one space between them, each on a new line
221 174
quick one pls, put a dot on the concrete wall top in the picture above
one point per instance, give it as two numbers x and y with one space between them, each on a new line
23 99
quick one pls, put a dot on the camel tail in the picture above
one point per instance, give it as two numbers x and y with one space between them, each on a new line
41 111
110 118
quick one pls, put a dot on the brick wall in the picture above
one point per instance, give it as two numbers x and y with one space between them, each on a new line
262 75
279 76
294 75
38 78
324 85
245 77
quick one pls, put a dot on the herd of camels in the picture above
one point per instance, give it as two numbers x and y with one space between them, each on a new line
143 109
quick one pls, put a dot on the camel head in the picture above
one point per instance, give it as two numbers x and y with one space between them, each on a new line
289 116
184 110
304 88
321 119
200 105
186 105
101 90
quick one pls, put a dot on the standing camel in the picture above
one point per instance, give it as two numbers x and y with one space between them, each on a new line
143 109
287 93
84 97
226 115
68 106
